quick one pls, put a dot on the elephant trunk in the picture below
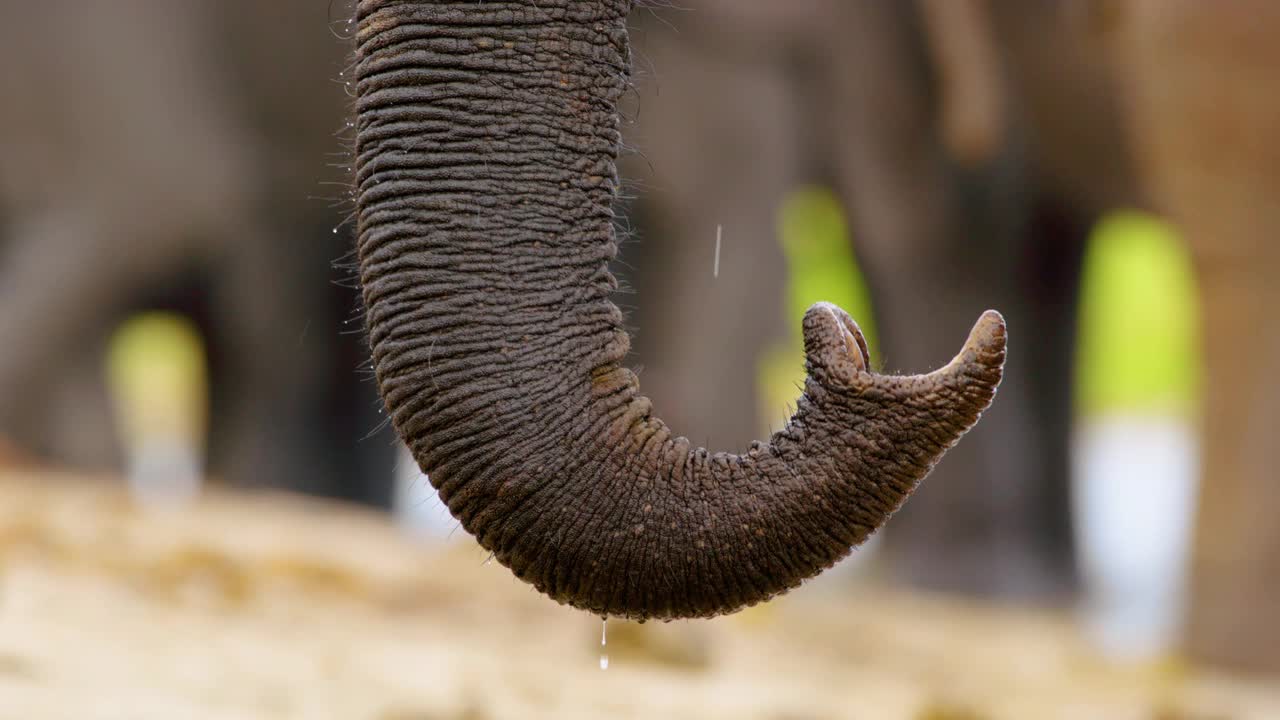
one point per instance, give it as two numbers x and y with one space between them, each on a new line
487 134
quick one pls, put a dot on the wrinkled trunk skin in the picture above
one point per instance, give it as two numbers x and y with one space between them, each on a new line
487 134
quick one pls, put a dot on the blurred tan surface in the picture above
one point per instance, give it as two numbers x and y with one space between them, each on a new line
268 606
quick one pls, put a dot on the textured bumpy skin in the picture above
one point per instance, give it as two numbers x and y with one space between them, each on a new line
487 137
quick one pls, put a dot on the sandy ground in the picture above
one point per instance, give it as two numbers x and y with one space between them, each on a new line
261 606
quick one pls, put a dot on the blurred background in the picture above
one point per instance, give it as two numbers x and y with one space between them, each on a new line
182 363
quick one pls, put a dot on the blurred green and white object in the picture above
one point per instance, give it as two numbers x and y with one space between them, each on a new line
158 378
1135 446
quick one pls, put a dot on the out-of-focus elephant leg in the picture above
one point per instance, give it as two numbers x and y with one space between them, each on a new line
938 247
1047 279
286 416
62 281
272 331
717 137
1235 572
1207 133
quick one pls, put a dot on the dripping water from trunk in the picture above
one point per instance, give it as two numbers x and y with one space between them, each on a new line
604 639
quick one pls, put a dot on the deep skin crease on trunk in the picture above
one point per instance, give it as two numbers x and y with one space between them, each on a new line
487 134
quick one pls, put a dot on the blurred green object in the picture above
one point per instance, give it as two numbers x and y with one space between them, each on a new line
158 379
157 376
820 266
1138 348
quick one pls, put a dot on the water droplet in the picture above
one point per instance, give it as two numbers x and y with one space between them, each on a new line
604 639
715 269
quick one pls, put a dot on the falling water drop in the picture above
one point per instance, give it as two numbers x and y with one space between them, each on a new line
715 269
604 638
